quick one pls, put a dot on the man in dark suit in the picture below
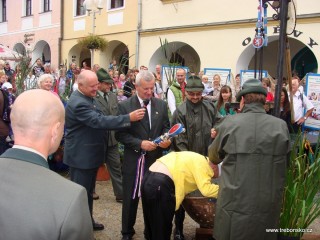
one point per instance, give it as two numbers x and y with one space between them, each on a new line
138 139
84 148
37 203
109 105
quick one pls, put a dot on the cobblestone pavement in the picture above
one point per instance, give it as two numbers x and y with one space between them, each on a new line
108 211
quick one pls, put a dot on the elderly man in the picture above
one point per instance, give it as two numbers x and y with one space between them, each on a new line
37 203
254 148
137 140
176 92
84 150
198 117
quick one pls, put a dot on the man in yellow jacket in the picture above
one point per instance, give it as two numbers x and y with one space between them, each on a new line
165 185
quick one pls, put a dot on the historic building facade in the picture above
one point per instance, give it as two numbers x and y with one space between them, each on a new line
32 27
114 20
215 34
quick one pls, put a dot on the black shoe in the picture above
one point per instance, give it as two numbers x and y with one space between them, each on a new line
95 196
126 237
119 200
97 226
178 235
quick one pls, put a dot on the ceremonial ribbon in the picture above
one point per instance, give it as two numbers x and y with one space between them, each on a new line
139 175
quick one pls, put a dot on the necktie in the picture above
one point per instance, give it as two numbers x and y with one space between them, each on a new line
106 97
146 115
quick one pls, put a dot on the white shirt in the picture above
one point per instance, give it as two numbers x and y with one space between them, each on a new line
148 108
297 105
171 101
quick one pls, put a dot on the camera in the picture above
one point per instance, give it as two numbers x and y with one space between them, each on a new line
232 105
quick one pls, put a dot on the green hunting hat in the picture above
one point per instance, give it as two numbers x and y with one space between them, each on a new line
103 76
251 86
194 84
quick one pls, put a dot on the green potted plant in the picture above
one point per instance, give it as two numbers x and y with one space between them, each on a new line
93 42
301 205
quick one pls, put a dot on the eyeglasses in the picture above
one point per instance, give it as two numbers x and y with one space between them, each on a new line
194 94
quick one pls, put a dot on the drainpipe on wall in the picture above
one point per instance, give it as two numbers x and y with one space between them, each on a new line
138 33
61 33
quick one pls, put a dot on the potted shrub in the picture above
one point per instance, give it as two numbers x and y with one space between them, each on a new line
301 205
93 42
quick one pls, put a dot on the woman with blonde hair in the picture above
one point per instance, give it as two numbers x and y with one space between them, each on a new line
45 82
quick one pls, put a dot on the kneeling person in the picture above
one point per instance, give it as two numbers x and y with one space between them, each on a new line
165 185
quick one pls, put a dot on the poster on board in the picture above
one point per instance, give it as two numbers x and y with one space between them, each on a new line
313 94
223 72
170 72
249 74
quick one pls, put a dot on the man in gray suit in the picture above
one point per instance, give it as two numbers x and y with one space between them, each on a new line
37 203
84 149
137 140
109 106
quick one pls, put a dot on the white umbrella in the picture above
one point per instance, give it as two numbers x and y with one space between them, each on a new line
8 54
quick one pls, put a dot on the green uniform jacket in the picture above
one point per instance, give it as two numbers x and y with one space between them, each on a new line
254 148
198 119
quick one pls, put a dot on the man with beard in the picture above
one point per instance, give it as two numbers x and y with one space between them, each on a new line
198 117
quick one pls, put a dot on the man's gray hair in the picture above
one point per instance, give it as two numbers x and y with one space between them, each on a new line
145 75
44 77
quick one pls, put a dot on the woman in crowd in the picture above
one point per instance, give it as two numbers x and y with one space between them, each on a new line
214 95
285 113
266 83
45 82
224 100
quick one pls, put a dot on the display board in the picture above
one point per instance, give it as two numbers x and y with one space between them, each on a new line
223 72
312 91
249 74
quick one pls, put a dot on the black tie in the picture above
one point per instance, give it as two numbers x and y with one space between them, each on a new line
146 115
106 97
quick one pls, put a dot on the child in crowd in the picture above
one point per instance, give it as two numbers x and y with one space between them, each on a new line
120 95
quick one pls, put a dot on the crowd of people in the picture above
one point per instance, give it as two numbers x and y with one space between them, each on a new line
106 107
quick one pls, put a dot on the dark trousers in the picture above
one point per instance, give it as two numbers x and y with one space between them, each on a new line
158 203
114 167
129 205
179 219
295 128
87 179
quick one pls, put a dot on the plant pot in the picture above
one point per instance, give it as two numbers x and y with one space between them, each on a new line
103 174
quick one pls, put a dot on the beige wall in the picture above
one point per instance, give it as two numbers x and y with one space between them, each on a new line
115 26
211 30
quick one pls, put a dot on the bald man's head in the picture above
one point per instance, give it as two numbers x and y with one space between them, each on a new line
37 115
88 83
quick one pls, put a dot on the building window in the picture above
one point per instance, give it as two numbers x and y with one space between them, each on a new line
3 11
28 7
80 10
46 5
116 4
